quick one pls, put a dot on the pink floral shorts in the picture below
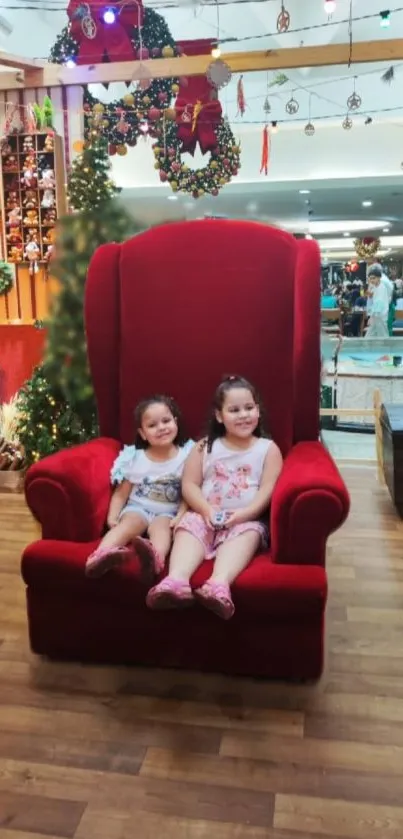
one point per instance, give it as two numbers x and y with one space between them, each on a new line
212 539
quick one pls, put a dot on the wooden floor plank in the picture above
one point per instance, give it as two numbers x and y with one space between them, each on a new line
355 821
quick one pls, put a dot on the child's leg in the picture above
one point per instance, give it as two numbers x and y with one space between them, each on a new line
112 549
187 554
233 556
153 552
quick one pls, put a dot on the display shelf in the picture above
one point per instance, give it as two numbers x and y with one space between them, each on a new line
32 194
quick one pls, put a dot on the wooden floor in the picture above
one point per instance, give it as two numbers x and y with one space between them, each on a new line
109 753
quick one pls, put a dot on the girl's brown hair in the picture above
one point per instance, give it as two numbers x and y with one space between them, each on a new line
216 429
159 399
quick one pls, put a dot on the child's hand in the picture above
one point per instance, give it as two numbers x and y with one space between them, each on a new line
175 521
237 517
111 522
208 516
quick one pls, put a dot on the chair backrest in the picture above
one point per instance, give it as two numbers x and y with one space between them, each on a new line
177 307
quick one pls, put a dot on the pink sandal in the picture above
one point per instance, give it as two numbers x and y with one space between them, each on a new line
217 598
170 594
151 561
104 559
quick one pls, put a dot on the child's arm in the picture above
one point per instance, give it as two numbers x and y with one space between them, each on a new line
191 485
182 509
118 501
271 470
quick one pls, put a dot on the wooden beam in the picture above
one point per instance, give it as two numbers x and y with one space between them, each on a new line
12 81
53 75
19 62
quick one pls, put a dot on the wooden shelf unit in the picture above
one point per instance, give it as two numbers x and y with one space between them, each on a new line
13 156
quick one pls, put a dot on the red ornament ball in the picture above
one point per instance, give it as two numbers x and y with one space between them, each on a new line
171 152
163 176
176 167
162 96
111 149
155 52
214 191
154 114
226 161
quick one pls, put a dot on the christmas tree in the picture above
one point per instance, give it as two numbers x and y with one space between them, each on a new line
57 404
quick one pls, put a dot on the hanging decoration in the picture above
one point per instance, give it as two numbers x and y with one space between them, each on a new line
264 165
267 106
99 39
278 81
6 278
389 76
219 73
283 20
354 101
347 123
152 39
292 106
240 97
367 248
309 128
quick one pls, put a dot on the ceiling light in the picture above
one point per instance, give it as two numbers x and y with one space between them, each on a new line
386 230
308 236
274 127
216 52
385 19
367 203
109 16
70 63
330 6
304 191
172 197
346 234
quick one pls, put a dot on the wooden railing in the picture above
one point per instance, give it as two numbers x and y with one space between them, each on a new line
29 299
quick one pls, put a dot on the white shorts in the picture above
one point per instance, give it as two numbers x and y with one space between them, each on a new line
147 515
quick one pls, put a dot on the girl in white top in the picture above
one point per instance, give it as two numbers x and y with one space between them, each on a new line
228 481
148 497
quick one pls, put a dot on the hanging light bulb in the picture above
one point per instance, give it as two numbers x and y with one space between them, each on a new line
216 52
109 16
385 19
70 63
274 128
330 6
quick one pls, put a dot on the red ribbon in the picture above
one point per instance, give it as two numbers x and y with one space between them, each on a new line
112 40
196 123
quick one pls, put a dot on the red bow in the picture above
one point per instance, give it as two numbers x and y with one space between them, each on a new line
97 39
196 124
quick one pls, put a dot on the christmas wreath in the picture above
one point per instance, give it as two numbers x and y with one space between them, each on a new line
367 248
6 278
224 162
137 34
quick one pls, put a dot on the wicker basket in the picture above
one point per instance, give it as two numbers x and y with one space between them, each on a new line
12 480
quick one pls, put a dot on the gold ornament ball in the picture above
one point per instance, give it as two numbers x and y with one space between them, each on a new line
157 165
200 191
156 150
98 108
146 100
105 123
175 88
184 168
213 164
128 99
167 52
121 150
170 114
174 185
236 149
222 181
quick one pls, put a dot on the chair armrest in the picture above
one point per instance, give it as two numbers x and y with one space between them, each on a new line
309 502
69 492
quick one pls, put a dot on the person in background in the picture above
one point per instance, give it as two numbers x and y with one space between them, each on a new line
376 271
329 301
379 304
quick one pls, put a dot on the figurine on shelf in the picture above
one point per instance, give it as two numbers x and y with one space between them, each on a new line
15 254
28 145
48 199
31 200
6 149
31 218
47 180
12 200
49 218
29 178
50 236
10 164
14 217
14 236
32 252
49 143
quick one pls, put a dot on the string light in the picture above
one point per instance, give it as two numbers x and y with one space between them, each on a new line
385 19
216 52
70 63
274 127
109 16
330 6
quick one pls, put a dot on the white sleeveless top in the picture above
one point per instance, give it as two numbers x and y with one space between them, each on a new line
231 478
156 486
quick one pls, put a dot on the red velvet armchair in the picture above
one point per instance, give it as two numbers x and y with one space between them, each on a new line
172 310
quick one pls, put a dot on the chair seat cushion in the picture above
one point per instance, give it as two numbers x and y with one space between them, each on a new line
264 588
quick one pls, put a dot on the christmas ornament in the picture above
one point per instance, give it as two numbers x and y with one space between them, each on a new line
389 76
94 39
309 129
292 106
367 248
264 165
197 123
354 101
283 20
347 123
218 73
267 106
6 278
240 97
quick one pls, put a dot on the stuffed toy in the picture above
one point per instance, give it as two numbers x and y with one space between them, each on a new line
31 218
14 236
30 201
49 218
15 254
50 236
12 200
48 199
49 143
29 178
28 145
32 253
10 164
14 217
48 179
6 148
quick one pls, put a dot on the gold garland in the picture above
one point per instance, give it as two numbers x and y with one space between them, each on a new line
367 248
